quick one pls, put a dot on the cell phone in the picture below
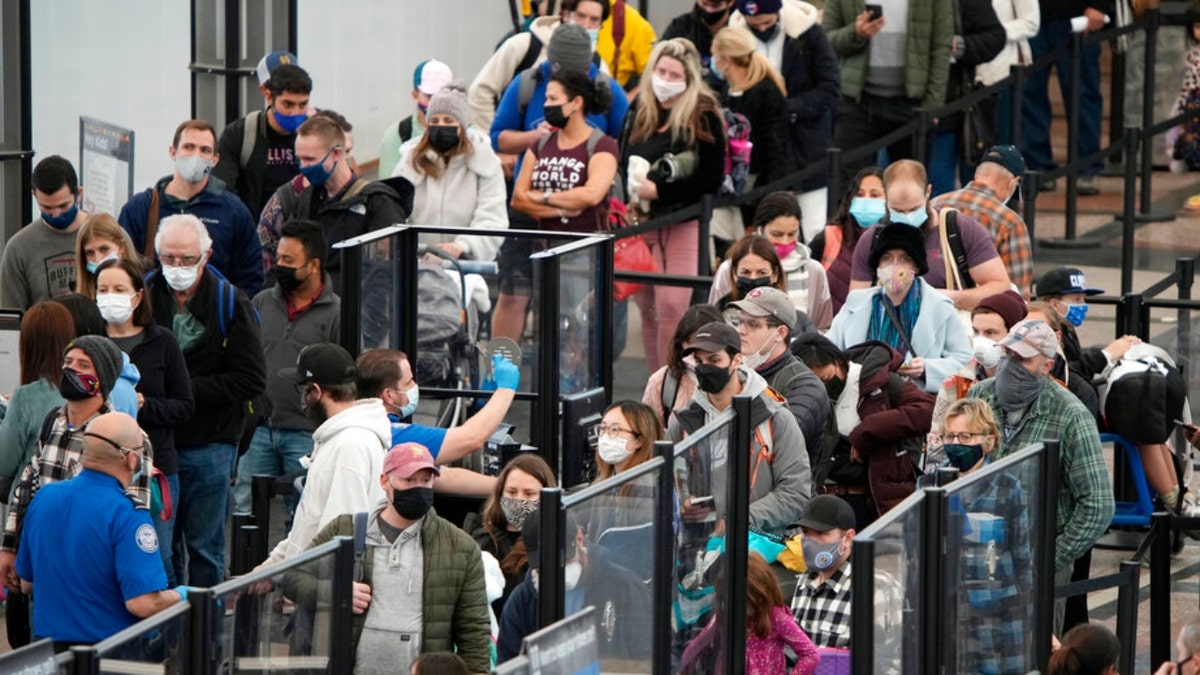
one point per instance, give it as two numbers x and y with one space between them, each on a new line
706 500
875 11
1185 425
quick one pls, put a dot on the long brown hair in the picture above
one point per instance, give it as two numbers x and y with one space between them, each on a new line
103 226
646 428
762 596
45 331
685 120
494 521
425 159
143 314
761 247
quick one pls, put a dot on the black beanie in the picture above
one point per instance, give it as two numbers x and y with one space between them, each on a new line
105 357
907 238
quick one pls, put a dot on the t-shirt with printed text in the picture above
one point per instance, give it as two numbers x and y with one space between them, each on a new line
559 169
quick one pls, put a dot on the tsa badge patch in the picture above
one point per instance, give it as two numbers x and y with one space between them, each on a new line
147 538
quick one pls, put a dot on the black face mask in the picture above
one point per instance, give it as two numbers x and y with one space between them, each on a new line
554 116
412 503
287 279
834 386
746 284
443 138
712 379
710 18
76 386
766 34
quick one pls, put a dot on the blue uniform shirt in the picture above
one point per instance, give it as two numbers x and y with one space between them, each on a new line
87 550
430 437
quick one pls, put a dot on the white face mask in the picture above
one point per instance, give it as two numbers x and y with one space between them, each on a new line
571 575
613 449
760 355
987 352
116 308
192 168
181 278
665 91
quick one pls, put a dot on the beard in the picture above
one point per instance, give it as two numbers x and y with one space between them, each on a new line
316 414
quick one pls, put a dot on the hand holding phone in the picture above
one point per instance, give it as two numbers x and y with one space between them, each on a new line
874 11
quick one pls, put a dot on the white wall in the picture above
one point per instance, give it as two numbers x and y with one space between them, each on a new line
122 62
361 54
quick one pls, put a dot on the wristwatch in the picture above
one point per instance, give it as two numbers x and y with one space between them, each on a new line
546 197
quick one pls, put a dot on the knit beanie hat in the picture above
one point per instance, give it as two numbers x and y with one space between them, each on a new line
894 236
1009 305
450 100
105 357
570 48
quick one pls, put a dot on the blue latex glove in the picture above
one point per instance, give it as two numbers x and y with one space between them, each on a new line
506 374
182 591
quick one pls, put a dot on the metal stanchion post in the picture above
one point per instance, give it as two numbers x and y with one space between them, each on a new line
835 189
1043 615
84 660
1186 267
550 575
200 628
1072 102
736 535
1152 19
604 309
1127 611
862 623
1160 587
1128 215
1029 193
1017 73
407 306
1131 311
921 138
545 423
706 210
664 559
930 652
238 563
341 637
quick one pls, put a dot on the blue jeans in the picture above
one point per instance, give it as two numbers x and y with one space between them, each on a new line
1035 106
199 545
165 529
272 452
943 162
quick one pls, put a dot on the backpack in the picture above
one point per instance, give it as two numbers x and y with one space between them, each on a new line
531 77
617 188
1143 396
226 299
249 135
737 152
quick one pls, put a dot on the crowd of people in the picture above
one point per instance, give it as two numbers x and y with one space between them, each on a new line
173 351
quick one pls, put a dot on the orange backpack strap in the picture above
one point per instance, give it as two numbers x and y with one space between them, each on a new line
833 246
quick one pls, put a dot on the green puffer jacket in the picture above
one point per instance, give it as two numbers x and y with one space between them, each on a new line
930 32
454 601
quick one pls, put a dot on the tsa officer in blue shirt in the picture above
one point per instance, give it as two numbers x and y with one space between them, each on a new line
113 575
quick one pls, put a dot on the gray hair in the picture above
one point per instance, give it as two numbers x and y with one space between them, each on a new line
183 220
1189 635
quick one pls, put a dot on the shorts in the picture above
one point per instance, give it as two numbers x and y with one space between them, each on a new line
515 267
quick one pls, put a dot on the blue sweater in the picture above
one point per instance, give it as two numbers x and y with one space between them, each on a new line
236 251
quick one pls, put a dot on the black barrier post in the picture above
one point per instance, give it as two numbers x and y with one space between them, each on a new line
1043 617
85 660
604 310
1017 73
341 636
1029 196
1160 587
256 545
929 652
239 562
1186 271
1116 102
1127 612
200 628
1072 102
545 408
1150 18
664 560
737 517
550 576
921 138
350 291
862 624
1130 311
1128 214
834 191
705 221
404 280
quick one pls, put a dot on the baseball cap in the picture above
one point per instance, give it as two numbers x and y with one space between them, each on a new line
1062 281
268 64
769 301
828 512
430 76
756 7
716 336
322 363
408 458
1030 338
1006 156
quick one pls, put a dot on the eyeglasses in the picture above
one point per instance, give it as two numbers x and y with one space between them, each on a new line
179 261
606 430
963 437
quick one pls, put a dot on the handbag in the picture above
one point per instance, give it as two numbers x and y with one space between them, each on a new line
978 133
630 254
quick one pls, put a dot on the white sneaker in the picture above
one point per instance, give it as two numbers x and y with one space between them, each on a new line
1188 508
1178 166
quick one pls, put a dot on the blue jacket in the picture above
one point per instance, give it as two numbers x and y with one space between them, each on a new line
508 112
236 251
938 336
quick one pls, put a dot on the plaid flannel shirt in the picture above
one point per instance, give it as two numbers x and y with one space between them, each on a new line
1005 225
823 608
1085 496
58 459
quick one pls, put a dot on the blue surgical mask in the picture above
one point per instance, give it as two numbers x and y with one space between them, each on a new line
316 173
963 457
867 210
93 266
414 396
1076 313
915 218
594 35
819 557
63 220
712 65
289 123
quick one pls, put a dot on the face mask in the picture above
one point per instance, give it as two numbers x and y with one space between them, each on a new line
93 266
443 138
712 66
192 168
414 396
63 220
554 116
422 107
516 511
316 173
712 379
1076 313
784 250
867 210
746 284
1016 387
895 279
760 355
963 457
819 556
834 386
710 18
77 386
613 449
412 503
116 308
181 278
287 279
987 352
289 123
665 91
594 36
765 34
571 575
915 218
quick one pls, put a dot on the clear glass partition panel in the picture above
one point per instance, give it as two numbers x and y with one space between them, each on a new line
579 319
992 531
379 295
158 644
280 626
619 527
896 586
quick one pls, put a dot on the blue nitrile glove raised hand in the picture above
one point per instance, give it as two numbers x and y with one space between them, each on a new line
506 374
182 591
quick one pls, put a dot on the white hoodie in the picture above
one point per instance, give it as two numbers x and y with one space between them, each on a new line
343 473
